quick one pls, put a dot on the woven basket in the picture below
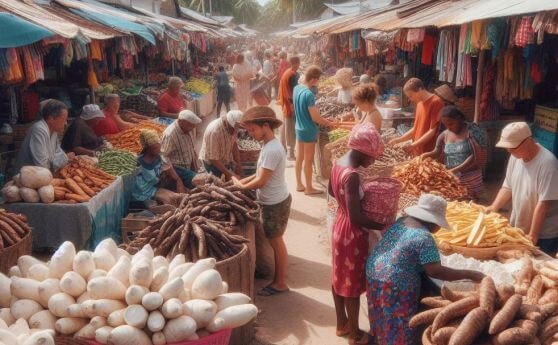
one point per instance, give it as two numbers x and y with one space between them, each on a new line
482 253
381 198
246 156
63 340
219 338
9 256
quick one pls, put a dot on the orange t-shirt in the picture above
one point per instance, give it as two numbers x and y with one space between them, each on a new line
170 104
427 117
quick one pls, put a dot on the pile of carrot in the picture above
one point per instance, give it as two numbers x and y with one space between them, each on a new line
79 181
129 139
13 228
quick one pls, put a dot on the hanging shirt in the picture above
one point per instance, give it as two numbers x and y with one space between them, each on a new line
427 117
41 148
428 46
531 182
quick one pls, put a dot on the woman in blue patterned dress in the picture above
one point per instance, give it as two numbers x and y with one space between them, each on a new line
393 270
456 145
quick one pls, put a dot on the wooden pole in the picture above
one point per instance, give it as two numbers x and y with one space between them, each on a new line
478 90
90 69
173 68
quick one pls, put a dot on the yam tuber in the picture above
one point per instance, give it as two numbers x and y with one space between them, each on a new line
471 327
513 336
435 302
424 318
453 296
443 335
535 290
549 296
453 311
506 315
487 295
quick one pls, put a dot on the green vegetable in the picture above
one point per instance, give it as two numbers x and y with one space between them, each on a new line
337 134
117 162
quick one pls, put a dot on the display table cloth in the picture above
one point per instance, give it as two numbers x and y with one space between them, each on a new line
84 224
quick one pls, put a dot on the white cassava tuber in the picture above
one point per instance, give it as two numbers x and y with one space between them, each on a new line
128 335
179 329
73 284
152 301
69 325
136 316
172 308
83 264
135 294
58 304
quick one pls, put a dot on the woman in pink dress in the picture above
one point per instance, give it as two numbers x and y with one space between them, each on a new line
351 230
242 74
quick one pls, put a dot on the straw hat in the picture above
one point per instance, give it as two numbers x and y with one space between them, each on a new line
446 93
430 208
261 113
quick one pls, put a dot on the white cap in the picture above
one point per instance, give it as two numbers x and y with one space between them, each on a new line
513 135
91 111
189 116
233 117
430 208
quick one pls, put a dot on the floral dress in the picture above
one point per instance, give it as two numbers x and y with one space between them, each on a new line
147 179
349 242
393 274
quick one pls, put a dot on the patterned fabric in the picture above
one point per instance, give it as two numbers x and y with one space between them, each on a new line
525 34
390 310
366 139
400 255
217 142
179 147
349 242
275 218
456 153
473 181
147 179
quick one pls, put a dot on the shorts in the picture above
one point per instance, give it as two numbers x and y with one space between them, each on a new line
276 217
548 245
307 136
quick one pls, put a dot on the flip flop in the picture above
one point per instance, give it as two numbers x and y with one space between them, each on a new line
300 190
270 291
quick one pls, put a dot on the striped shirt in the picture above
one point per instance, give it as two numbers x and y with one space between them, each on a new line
217 143
179 147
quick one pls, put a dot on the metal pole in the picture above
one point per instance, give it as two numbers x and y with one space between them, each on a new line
294 11
210 7
478 91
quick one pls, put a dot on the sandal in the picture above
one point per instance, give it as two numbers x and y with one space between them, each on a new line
270 291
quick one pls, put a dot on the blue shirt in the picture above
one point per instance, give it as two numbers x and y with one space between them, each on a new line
306 129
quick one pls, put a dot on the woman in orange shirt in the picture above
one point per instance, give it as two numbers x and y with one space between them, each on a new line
171 103
427 118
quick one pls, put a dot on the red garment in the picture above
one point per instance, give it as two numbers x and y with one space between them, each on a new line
349 243
428 46
285 97
170 104
107 125
427 117
525 33
283 67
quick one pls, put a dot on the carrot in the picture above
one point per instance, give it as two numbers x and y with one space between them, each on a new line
88 182
59 194
79 173
424 318
487 295
454 311
58 182
506 315
86 189
74 187
77 197
471 327
64 173
65 202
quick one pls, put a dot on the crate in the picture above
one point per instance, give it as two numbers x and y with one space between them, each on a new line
546 118
547 139
130 225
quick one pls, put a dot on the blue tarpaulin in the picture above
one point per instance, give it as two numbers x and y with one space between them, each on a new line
116 23
17 32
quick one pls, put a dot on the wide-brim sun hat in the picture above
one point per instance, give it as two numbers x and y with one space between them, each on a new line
261 113
430 208
446 93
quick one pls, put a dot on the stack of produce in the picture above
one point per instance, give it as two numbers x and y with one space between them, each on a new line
326 85
13 228
337 134
129 139
472 227
32 184
117 162
332 110
118 299
247 144
428 176
200 227
491 315
198 86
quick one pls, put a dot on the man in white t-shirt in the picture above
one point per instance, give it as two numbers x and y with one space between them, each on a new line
532 185
273 194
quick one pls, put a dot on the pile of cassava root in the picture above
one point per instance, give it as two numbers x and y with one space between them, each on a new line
491 315
200 227
13 228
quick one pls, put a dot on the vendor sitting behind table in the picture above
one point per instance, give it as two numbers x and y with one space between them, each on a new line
178 146
219 151
41 145
171 102
112 123
153 170
80 137
427 118
531 184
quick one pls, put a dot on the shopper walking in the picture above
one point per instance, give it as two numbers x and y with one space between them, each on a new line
351 229
271 185
242 72
307 120
223 90
287 84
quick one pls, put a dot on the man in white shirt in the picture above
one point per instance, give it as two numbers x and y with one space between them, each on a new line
271 185
532 186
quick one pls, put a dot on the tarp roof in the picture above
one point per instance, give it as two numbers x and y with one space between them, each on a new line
198 16
439 13
112 17
177 22
35 14
352 7
224 20
17 32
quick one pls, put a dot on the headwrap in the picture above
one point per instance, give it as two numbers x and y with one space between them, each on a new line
233 117
149 137
90 112
366 139
189 116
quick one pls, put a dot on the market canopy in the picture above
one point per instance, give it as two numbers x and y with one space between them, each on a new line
17 32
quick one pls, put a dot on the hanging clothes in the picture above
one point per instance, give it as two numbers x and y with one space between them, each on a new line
525 33
495 31
416 35
445 55
95 48
428 47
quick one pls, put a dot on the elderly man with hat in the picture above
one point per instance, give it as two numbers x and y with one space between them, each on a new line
219 151
178 145
531 184
273 194
80 137
395 266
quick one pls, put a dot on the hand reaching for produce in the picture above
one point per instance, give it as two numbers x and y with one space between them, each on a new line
71 155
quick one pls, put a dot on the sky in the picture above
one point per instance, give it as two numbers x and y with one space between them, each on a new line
263 2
